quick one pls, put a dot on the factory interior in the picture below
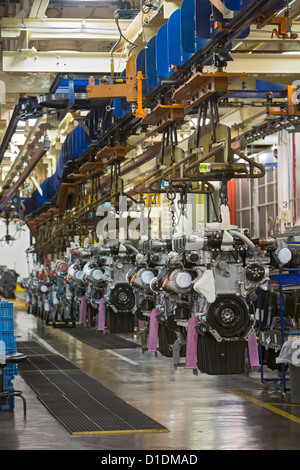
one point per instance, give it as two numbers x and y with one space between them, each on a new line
150 227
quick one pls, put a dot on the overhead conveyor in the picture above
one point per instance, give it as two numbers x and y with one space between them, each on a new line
196 36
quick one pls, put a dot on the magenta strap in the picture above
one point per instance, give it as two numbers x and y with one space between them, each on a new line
191 344
101 315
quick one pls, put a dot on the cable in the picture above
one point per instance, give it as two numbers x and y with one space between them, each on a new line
113 49
149 7
119 29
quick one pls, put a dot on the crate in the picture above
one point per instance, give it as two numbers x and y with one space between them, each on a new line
6 324
9 341
6 306
10 371
6 317
6 309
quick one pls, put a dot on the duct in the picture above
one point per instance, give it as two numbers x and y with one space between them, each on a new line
245 239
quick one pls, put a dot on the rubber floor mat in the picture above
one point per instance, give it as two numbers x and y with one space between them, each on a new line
99 340
79 402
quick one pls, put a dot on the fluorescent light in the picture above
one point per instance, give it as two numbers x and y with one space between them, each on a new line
194 121
291 52
285 8
236 46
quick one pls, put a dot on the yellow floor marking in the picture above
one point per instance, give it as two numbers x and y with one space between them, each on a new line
284 404
268 406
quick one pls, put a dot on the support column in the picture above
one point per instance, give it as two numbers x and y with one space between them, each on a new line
288 177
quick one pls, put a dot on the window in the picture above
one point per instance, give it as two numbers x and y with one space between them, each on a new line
256 199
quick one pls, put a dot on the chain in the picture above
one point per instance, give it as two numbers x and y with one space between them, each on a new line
182 203
224 191
171 195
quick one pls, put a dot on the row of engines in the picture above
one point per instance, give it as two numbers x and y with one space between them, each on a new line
210 275
88 273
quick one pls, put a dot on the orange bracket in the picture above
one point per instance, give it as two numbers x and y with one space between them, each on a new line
219 27
130 88
111 154
92 168
291 107
66 191
164 115
140 112
127 90
284 27
203 85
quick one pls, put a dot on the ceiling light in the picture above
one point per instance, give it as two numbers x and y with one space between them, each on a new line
291 52
236 46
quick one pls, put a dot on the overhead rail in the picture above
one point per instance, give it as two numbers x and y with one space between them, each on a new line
195 35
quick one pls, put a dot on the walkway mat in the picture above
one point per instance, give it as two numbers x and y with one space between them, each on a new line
80 403
100 340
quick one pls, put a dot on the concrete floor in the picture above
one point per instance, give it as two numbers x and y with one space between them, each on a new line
201 412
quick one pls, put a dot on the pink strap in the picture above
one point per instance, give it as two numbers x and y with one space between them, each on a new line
83 310
101 315
253 351
191 344
153 331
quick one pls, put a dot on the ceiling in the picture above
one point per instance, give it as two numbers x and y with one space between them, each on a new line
41 39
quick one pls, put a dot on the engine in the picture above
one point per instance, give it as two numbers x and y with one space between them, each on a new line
213 276
78 258
117 259
98 274
148 263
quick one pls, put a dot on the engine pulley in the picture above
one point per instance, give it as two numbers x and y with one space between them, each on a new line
229 316
122 297
255 272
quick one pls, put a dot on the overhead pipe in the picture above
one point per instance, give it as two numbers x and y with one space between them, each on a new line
39 153
10 131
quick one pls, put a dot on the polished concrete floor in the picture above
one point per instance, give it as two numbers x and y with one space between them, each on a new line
201 412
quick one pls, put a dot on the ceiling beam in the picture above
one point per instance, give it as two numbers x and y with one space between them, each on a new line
61 28
61 62
39 8
264 63
99 62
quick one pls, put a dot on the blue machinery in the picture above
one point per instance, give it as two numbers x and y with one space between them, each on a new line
195 35
289 278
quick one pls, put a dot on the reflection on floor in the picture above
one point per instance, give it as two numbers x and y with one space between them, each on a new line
201 412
